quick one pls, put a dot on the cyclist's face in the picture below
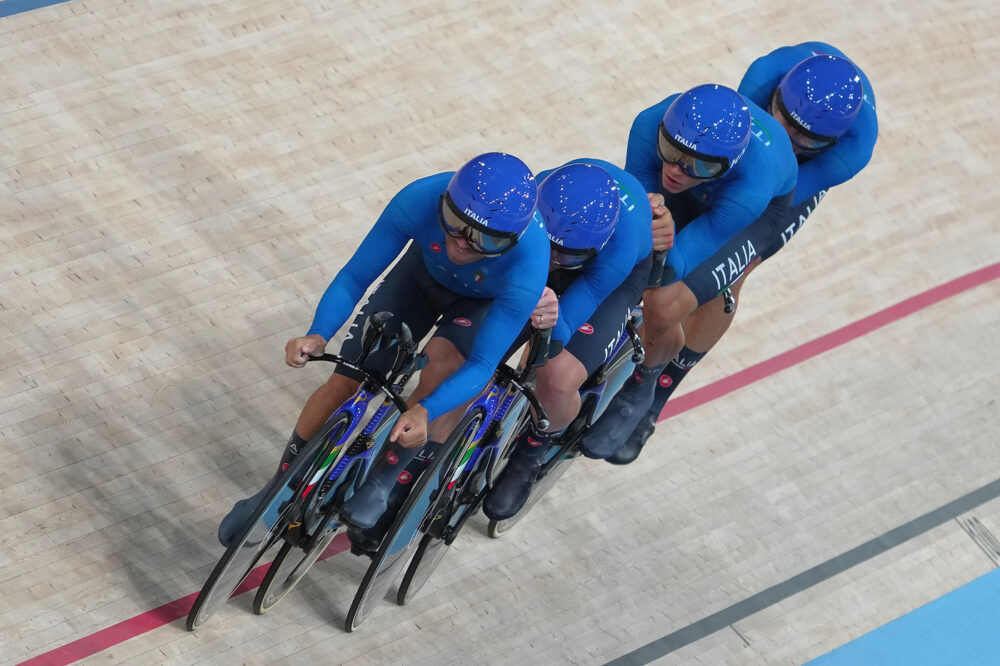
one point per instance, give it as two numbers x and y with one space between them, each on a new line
459 251
675 180
792 133
799 140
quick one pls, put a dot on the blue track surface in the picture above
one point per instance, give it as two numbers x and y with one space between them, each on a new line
962 627
8 7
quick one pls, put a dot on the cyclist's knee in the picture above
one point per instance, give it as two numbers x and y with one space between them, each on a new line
336 389
666 308
560 378
443 359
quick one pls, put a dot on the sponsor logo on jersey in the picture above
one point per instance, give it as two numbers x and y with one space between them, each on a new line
462 321
391 458
586 329
684 142
435 247
404 477
665 381
533 442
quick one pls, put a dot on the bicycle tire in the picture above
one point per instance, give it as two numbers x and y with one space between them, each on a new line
289 566
432 549
257 536
400 540
496 528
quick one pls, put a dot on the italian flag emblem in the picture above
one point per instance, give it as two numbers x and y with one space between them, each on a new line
477 276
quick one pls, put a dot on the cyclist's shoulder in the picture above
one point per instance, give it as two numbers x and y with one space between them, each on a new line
528 262
427 186
769 148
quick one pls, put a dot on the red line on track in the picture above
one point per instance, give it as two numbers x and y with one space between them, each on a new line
165 614
827 342
175 610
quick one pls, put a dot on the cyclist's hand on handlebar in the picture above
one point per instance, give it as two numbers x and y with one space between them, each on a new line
298 349
546 313
410 430
663 223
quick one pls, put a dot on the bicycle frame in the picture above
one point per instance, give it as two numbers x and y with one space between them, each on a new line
362 449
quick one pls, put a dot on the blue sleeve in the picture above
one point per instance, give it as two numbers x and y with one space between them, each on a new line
708 232
498 330
380 247
605 274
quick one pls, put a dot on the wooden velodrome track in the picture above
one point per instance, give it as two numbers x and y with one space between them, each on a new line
180 181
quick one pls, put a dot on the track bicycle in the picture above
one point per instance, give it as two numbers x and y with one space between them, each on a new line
300 505
454 484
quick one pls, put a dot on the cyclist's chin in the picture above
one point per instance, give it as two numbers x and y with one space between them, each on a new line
459 255
674 186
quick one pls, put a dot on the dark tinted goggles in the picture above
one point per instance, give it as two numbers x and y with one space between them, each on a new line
483 240
803 139
565 257
692 163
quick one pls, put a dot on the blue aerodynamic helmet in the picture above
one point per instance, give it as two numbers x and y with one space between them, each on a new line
820 97
579 203
705 130
489 201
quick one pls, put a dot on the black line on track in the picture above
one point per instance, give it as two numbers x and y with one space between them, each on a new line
743 609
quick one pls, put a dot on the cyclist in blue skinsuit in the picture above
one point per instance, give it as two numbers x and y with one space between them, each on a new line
827 107
598 220
815 84
721 170
477 264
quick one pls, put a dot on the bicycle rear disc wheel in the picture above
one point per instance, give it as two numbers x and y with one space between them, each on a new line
402 537
266 523
497 527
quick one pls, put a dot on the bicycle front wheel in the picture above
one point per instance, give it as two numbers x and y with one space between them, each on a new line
273 514
411 521
448 513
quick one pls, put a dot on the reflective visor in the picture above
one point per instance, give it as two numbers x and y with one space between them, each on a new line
694 164
803 139
565 257
483 240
